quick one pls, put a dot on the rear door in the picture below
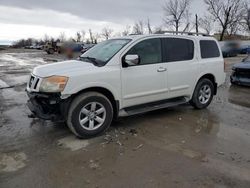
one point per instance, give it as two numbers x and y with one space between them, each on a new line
182 65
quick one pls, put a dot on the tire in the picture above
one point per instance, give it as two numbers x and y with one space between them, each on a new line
86 122
203 94
51 51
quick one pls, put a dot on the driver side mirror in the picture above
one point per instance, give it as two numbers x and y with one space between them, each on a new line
132 60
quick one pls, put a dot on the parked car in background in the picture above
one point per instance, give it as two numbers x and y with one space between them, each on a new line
230 49
27 47
245 49
86 47
39 47
127 76
241 73
74 47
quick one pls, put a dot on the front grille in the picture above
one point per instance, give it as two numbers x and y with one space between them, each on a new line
33 82
243 73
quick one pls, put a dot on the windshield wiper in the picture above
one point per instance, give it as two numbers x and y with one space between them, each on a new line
90 59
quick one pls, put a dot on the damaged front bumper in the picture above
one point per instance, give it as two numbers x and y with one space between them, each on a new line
48 106
240 77
240 81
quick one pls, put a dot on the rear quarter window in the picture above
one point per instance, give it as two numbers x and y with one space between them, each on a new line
209 49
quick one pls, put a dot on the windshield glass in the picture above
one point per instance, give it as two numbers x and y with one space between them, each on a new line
103 52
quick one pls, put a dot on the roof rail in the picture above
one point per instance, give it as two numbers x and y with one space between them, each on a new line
185 33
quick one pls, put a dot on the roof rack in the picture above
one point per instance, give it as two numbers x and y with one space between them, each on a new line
185 33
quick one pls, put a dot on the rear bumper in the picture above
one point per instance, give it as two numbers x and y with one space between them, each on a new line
48 106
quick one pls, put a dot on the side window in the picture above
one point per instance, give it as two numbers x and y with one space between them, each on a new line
148 50
176 49
209 49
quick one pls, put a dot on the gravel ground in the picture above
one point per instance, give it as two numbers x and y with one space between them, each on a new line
174 147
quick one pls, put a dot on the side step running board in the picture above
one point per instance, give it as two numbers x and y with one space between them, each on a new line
152 106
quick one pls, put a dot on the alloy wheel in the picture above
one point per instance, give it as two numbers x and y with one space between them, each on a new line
204 94
92 116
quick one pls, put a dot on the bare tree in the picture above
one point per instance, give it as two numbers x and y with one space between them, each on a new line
71 39
88 41
189 26
117 34
95 37
158 30
107 32
78 37
126 31
149 27
46 38
138 28
246 18
226 13
83 32
176 12
62 37
206 23
234 27
91 36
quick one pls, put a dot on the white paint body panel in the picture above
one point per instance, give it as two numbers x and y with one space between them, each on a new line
139 84
151 85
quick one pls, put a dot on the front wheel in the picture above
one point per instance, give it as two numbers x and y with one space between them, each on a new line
203 94
90 114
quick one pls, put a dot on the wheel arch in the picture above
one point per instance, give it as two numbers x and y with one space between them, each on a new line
107 93
210 77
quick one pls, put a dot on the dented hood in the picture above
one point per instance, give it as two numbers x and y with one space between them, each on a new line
242 65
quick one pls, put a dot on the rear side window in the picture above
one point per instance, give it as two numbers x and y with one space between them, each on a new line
176 49
209 49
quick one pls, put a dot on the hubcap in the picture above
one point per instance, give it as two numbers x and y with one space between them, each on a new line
92 116
205 94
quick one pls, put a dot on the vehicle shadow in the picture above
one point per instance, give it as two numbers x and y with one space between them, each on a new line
174 118
239 95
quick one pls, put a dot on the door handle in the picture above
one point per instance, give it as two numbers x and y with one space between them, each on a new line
161 69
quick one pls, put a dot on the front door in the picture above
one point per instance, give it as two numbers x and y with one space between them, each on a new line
145 82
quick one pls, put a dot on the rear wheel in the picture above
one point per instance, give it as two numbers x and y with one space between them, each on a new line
90 114
203 94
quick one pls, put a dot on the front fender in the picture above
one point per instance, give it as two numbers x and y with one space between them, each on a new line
70 91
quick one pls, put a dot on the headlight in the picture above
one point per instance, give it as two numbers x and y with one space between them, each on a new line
53 84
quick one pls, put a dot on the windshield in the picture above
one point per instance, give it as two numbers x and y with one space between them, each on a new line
103 52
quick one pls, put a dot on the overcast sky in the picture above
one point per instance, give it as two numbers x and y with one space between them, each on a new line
34 18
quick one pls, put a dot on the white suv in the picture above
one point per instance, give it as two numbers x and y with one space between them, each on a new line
127 76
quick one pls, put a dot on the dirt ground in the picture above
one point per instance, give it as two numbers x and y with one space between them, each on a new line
175 147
